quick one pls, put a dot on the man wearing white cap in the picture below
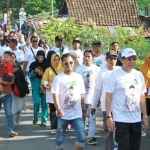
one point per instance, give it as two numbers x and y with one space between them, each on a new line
125 98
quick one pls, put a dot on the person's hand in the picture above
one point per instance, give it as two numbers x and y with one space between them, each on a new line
84 115
49 85
93 111
145 122
99 102
40 73
110 125
37 70
60 113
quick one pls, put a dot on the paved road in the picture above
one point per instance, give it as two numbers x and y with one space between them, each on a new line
39 138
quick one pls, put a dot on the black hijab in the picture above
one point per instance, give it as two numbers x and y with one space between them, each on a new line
44 65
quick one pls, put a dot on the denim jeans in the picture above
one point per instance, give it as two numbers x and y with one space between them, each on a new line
7 101
78 125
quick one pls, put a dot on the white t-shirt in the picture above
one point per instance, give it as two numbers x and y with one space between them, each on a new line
57 50
100 61
4 49
69 89
101 85
30 57
89 75
127 89
79 55
19 53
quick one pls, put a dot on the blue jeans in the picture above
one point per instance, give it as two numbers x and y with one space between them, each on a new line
7 101
78 125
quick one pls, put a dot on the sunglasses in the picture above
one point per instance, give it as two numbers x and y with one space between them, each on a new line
67 63
34 41
97 45
112 59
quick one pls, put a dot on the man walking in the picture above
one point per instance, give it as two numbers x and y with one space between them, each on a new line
89 74
99 59
100 93
126 98
68 93
60 49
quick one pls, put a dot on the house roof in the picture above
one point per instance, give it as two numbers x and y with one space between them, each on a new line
146 32
103 12
146 23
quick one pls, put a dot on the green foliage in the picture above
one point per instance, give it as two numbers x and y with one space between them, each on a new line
143 3
32 7
87 33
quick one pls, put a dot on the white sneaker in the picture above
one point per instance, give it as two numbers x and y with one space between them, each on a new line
53 131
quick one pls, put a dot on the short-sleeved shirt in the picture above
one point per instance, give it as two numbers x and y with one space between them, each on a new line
89 75
127 89
69 89
58 50
100 61
30 57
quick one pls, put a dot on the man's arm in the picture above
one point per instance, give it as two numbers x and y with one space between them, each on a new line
110 123
144 112
60 112
25 63
83 106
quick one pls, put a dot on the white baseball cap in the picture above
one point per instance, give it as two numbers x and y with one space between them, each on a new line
127 52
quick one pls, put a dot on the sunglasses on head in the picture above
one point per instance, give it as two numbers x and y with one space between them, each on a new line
34 41
67 63
112 59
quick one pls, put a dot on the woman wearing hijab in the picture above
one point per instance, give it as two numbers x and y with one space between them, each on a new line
42 42
36 71
47 80
18 102
145 69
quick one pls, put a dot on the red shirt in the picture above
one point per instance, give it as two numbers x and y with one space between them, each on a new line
8 68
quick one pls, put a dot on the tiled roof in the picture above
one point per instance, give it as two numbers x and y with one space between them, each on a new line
146 32
103 12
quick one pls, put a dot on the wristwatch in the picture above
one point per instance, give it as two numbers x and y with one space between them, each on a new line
145 117
83 110
108 117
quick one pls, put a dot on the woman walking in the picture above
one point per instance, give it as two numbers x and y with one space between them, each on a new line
18 101
36 71
47 80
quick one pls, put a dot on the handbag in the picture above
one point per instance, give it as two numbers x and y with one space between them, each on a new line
54 121
16 91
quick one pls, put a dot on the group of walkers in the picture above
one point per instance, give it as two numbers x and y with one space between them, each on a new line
74 83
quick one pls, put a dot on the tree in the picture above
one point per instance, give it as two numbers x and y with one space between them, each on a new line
32 7
143 3
87 33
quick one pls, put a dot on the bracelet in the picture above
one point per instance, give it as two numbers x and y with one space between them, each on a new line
108 117
145 117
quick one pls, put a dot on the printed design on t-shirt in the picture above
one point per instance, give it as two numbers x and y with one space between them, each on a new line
70 101
131 99
98 63
87 76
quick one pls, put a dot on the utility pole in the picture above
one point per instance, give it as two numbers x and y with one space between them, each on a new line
52 8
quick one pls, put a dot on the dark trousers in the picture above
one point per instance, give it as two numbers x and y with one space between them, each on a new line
51 109
128 135
148 106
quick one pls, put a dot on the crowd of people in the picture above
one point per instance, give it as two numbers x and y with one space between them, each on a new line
74 83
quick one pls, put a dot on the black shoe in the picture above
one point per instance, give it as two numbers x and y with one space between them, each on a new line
34 123
92 141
